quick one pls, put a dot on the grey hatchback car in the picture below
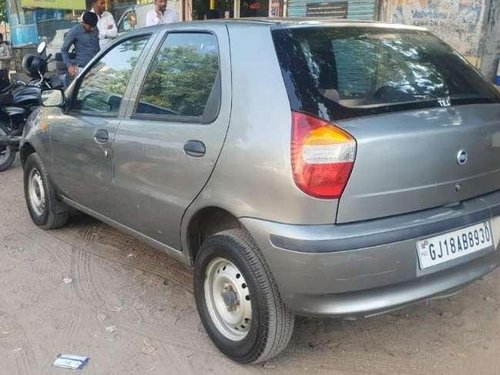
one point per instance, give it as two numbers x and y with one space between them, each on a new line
303 167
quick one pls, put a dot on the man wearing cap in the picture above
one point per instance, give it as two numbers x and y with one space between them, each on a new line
161 14
85 38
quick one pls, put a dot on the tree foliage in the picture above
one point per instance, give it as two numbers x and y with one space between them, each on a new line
3 11
181 80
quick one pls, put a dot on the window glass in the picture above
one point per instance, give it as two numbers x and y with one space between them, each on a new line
103 87
355 75
128 21
344 72
183 78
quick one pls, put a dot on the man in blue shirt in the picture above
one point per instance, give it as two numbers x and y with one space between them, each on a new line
85 38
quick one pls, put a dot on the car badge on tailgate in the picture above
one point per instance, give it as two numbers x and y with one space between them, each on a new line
445 102
462 157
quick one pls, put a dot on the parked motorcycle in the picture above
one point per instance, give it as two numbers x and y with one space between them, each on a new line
18 100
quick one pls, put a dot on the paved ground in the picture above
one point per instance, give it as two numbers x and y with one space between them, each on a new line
131 309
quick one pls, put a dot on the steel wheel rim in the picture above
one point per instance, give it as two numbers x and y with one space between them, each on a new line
5 154
36 192
228 299
5 151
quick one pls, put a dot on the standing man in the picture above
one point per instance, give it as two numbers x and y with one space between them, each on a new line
161 14
106 23
85 38
5 58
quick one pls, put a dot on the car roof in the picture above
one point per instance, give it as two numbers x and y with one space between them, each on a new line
313 21
291 22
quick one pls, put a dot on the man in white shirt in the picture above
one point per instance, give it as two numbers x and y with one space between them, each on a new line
161 14
5 58
105 24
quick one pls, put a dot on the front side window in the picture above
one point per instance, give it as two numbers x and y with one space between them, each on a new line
102 88
183 81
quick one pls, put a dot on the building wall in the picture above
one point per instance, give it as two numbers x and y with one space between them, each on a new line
458 22
490 54
22 25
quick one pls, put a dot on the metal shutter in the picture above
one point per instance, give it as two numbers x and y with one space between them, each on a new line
297 8
361 9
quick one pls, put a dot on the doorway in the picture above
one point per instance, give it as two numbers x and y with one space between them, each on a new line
254 8
211 9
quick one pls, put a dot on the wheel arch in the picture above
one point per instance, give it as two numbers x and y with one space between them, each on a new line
26 150
206 222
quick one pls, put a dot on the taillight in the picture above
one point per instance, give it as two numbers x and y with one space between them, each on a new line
322 156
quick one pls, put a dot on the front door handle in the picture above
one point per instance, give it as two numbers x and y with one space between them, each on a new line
195 148
101 136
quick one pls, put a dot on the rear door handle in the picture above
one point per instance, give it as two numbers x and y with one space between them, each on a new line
101 136
195 148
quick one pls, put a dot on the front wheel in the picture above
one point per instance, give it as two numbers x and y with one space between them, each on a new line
44 207
7 153
238 300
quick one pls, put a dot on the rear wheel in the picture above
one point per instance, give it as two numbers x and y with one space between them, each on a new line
238 300
46 210
7 153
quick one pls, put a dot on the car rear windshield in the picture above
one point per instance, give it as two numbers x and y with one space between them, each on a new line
344 72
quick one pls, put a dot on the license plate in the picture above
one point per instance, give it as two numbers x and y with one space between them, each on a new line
462 242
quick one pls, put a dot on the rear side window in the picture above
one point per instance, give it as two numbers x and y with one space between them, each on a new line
344 72
183 81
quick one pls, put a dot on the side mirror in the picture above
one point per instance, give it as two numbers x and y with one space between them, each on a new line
53 98
41 48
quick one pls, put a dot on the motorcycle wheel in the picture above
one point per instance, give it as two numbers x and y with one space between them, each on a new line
7 153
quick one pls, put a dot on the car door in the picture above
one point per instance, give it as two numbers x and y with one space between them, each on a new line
82 138
166 150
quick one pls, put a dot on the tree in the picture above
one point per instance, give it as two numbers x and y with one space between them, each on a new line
181 80
3 11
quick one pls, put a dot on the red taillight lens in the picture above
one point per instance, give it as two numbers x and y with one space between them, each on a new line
322 156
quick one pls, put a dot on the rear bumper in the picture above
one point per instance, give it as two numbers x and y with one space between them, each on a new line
371 267
383 299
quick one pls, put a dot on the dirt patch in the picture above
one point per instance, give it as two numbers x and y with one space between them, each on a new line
88 289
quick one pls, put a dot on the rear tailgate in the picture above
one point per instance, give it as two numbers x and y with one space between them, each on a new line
426 124
409 161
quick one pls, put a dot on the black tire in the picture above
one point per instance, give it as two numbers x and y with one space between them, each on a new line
271 325
7 153
52 213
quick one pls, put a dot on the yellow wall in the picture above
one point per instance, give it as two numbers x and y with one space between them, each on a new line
54 4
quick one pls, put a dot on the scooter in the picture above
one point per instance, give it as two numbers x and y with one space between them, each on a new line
18 100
